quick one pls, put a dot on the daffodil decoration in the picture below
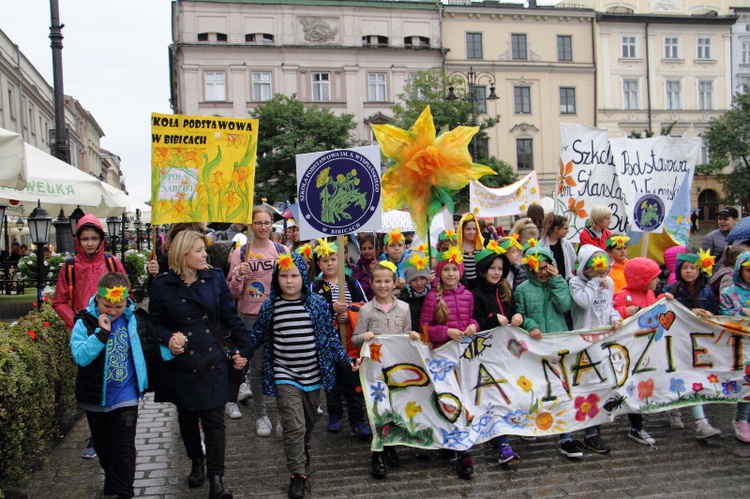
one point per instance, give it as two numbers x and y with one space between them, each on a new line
745 264
394 236
324 248
599 263
511 241
418 261
305 251
532 260
448 235
422 248
285 261
705 261
532 242
427 168
619 242
114 294
453 255
389 265
495 247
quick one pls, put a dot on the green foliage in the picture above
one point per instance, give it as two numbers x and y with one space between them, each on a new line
135 265
53 264
37 380
729 142
289 128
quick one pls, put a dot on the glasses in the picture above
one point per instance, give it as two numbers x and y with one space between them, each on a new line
262 224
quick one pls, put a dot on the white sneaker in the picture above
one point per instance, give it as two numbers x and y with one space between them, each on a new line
244 393
675 420
232 410
320 411
705 430
263 427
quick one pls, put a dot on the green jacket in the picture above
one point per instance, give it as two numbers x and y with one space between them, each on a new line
543 305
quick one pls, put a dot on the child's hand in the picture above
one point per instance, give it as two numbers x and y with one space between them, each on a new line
243 269
454 334
536 333
516 320
502 320
239 361
432 275
368 336
153 267
702 313
470 330
105 321
339 307
177 343
616 325
745 311
414 335
400 283
632 310
355 365
669 296
552 271
342 317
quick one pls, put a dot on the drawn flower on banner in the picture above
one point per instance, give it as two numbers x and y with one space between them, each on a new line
677 385
565 176
412 409
697 387
630 389
729 387
439 369
525 384
375 351
645 389
546 419
577 208
712 378
587 406
516 419
377 392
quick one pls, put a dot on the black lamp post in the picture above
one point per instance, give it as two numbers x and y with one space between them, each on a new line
74 218
39 225
6 261
470 80
124 237
20 224
138 224
64 241
113 228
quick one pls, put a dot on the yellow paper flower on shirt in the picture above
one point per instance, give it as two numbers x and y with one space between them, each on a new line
324 248
705 261
532 260
285 261
599 263
428 168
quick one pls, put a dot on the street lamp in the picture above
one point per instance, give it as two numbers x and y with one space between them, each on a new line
6 260
113 228
469 81
74 218
123 238
19 224
138 224
39 224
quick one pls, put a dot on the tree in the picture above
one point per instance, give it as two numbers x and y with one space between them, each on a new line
429 88
729 142
288 128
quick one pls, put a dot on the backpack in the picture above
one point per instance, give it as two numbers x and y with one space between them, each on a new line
70 273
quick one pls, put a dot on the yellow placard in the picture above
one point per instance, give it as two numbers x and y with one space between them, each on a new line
202 168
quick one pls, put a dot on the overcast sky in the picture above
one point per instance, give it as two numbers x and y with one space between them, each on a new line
114 62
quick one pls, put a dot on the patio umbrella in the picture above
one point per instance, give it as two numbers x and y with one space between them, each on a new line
741 231
116 200
12 159
394 219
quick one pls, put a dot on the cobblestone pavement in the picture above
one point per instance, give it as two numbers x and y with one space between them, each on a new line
680 466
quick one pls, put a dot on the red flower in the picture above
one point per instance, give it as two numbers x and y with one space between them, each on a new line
35 304
46 298
587 406
697 387
645 388
46 324
31 334
713 378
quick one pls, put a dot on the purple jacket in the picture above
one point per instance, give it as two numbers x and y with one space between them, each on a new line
460 303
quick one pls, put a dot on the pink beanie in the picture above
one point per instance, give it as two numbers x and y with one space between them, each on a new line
670 261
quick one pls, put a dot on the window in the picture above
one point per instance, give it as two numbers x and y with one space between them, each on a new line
518 46
11 104
705 95
417 92
215 87
259 38
630 94
481 99
32 123
416 42
671 45
628 47
261 86
321 87
202 37
221 37
745 52
673 94
374 41
567 100
704 48
474 45
376 87
705 151
524 154
522 100
564 48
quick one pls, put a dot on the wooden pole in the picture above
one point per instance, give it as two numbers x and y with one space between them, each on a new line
342 283
644 243
153 245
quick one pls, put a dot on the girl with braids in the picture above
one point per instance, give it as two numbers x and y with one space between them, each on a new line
448 315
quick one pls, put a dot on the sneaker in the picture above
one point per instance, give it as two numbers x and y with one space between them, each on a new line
89 452
279 428
464 465
675 420
571 449
705 430
232 410
596 444
244 393
297 486
641 436
528 438
507 455
742 431
361 430
320 411
263 426
334 423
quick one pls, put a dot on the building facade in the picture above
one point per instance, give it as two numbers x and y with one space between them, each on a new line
741 47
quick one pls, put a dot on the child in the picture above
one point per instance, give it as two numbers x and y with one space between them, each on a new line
598 233
514 252
617 249
303 348
417 276
470 240
493 307
692 291
346 384
394 244
112 350
362 271
735 300
724 277
542 300
554 233
592 292
452 322
384 315
641 277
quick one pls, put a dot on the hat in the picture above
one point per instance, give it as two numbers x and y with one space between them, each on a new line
325 249
416 266
532 257
483 265
394 236
290 223
448 235
452 255
618 241
729 211
509 241
703 260
493 248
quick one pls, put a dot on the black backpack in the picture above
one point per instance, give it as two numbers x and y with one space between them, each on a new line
70 273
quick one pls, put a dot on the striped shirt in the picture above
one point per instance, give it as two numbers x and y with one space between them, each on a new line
335 292
470 266
295 360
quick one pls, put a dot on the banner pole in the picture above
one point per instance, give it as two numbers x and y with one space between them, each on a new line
342 283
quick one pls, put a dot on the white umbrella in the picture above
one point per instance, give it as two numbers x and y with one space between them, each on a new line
12 160
392 220
116 200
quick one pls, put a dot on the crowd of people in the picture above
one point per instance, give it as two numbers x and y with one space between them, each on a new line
269 326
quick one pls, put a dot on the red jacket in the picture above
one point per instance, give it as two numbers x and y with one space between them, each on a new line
88 270
460 303
638 273
587 236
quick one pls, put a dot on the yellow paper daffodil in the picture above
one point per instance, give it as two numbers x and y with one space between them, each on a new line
389 265
305 251
324 248
113 295
453 255
599 263
533 243
422 248
618 241
285 261
495 247
428 168
532 260
394 236
705 261
418 261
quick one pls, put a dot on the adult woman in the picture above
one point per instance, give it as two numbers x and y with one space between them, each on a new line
188 305
553 237
249 281
470 241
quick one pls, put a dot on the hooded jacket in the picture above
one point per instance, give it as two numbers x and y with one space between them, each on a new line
638 273
88 269
736 297
704 299
328 345
543 304
460 303
592 299
487 304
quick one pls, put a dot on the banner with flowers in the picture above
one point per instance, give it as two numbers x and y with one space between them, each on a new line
504 382
504 201
202 168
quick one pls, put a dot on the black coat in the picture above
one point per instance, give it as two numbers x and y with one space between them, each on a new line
201 372
487 306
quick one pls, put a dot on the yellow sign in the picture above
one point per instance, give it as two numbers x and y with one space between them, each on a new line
202 168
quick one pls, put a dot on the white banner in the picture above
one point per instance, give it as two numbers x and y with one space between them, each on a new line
504 201
503 382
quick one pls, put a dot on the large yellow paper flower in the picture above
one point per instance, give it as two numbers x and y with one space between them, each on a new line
324 248
705 261
427 169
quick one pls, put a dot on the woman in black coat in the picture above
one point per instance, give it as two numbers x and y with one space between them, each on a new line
193 311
